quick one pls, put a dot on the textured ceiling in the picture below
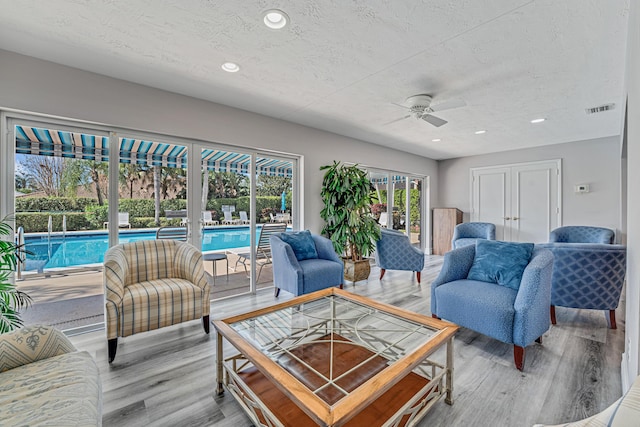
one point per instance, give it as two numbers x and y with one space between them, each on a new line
341 64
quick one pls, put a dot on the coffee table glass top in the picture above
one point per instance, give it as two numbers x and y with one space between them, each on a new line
333 344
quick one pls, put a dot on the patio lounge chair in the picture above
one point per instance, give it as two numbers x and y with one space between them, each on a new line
207 219
383 219
263 249
228 219
173 233
123 220
243 217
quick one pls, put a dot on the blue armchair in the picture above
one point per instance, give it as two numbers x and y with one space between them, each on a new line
469 232
587 275
395 252
581 234
513 316
304 263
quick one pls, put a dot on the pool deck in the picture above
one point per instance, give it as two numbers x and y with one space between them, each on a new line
75 299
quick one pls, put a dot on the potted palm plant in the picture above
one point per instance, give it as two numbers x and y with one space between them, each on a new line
347 194
12 300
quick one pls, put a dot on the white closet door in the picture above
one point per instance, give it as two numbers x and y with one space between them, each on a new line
535 209
491 198
522 200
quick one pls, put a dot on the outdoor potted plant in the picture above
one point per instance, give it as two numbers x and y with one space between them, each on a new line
12 300
347 194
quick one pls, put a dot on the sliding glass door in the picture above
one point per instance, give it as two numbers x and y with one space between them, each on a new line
400 204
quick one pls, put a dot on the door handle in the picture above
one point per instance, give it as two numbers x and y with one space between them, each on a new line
515 218
507 218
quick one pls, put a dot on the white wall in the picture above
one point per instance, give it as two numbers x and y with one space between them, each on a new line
43 87
631 359
595 162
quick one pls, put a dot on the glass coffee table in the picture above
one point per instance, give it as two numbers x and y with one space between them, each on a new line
335 358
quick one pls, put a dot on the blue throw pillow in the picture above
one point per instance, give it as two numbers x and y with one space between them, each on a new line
302 244
500 262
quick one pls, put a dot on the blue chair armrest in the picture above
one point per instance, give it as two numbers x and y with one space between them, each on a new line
533 299
287 273
325 249
456 266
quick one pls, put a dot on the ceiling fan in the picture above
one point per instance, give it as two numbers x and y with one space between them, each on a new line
420 108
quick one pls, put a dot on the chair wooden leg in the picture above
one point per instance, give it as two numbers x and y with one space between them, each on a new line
206 323
435 317
276 292
518 356
539 340
612 319
341 286
552 312
382 271
113 347
418 276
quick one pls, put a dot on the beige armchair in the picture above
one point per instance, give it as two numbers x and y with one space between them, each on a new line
151 284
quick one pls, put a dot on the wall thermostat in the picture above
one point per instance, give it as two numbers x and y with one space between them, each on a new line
582 188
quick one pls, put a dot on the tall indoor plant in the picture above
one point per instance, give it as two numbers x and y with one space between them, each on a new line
347 195
12 300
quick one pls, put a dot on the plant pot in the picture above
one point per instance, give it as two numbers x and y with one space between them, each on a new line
354 271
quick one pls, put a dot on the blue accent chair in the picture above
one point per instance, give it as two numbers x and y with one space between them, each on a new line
308 275
469 232
395 252
588 276
516 317
581 234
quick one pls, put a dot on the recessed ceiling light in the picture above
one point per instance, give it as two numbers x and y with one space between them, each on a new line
275 19
538 120
436 140
480 132
231 67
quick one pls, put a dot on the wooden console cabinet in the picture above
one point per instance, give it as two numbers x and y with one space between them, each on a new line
444 221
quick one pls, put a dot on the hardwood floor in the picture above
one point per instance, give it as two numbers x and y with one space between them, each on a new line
167 377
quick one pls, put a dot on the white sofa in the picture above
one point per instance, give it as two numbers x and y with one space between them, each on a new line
44 381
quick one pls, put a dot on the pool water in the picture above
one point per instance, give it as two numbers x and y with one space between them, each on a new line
89 248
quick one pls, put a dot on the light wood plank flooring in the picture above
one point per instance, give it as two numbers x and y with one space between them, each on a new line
167 377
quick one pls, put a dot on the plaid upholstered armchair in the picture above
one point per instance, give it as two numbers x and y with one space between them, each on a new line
150 284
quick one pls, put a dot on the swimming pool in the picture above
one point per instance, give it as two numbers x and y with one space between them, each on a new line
84 248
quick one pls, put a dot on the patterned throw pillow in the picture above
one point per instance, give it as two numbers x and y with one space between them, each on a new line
302 244
500 262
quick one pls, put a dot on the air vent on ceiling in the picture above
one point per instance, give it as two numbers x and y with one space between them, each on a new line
600 108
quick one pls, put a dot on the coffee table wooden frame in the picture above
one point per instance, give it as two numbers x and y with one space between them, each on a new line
439 383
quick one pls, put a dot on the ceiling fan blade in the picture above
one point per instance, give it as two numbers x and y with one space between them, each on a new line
401 106
436 121
397 120
448 105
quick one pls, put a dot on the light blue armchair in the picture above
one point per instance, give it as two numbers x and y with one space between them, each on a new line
395 252
304 263
581 234
469 232
513 316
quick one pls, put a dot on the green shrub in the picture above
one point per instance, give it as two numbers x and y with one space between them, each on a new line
137 207
34 222
53 204
96 216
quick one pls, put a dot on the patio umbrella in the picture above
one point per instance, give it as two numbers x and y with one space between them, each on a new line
283 205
